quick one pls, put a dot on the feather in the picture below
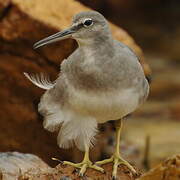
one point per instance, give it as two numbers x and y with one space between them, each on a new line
41 80
77 131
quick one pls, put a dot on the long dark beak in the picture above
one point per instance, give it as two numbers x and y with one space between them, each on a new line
55 37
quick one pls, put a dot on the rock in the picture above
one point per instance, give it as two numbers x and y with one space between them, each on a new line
21 166
14 165
22 23
3 6
65 172
168 170
65 178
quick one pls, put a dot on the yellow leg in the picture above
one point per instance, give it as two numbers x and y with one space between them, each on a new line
86 163
116 158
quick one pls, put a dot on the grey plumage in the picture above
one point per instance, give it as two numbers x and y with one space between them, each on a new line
101 80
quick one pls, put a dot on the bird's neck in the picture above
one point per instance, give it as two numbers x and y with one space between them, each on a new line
101 50
95 43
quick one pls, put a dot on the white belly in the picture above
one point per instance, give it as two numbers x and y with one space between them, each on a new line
104 106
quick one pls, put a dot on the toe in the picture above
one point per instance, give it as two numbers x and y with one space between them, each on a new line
104 161
124 162
98 168
68 163
72 164
115 166
83 169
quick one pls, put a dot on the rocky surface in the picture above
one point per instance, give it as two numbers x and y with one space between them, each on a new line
14 165
62 172
168 170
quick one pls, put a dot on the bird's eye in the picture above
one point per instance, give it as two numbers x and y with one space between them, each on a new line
87 22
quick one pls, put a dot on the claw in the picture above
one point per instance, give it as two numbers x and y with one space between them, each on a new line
55 159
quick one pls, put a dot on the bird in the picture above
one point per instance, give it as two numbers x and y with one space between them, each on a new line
101 80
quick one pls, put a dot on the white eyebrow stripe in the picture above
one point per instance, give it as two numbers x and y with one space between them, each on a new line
87 19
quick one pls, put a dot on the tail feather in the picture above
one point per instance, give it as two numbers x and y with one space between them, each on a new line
41 80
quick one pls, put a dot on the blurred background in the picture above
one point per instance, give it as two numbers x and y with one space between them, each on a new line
150 135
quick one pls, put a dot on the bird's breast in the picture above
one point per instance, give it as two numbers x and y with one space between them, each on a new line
104 106
90 70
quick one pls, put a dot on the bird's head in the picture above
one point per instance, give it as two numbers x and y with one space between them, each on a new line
86 27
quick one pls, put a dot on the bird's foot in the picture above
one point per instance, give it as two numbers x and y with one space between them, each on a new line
84 165
117 160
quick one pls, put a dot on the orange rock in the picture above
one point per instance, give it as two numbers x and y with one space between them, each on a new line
3 5
168 170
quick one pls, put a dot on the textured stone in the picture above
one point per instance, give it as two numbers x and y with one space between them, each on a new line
65 172
168 170
14 165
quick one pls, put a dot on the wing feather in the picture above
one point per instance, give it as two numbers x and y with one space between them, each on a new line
41 80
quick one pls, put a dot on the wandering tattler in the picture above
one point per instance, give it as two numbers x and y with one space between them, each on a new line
101 80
